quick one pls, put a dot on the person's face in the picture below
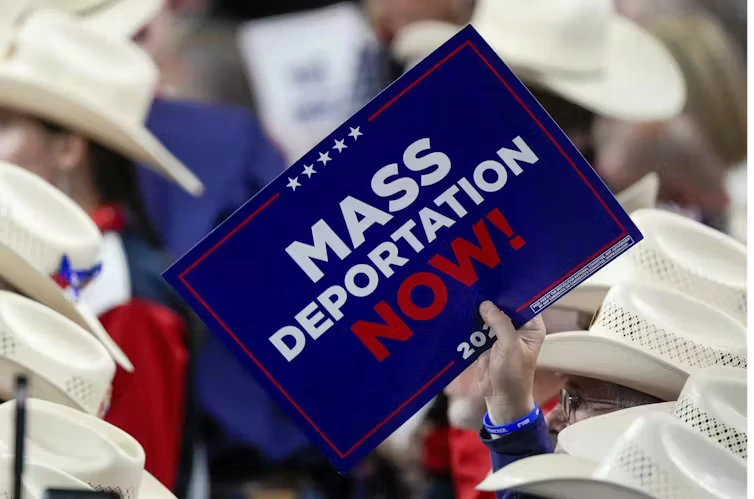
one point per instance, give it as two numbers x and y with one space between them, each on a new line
583 398
25 142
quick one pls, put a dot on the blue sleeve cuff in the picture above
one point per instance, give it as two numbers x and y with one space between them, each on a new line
529 441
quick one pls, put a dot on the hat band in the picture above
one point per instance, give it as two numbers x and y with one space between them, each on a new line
730 438
25 243
631 466
656 266
77 388
617 320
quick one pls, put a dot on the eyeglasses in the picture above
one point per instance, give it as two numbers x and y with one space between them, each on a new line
571 403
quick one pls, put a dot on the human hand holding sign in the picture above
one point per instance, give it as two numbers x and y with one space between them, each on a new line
505 372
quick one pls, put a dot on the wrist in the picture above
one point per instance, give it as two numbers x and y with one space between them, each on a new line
504 410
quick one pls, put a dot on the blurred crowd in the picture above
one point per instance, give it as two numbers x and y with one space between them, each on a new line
130 128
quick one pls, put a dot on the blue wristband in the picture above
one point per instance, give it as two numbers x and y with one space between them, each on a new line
510 427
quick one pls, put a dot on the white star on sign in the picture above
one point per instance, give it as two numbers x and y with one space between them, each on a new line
293 183
309 170
340 145
355 133
324 158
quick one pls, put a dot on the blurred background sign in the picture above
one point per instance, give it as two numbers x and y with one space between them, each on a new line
309 72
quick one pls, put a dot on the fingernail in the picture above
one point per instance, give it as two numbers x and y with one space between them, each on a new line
486 307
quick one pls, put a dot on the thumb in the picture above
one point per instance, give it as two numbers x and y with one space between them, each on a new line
499 322
533 332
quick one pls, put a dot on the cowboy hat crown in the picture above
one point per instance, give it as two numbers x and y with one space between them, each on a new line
61 70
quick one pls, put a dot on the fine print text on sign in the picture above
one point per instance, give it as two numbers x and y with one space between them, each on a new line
350 285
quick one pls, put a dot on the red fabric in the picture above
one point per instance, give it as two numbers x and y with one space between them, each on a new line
109 217
469 464
436 456
551 405
148 403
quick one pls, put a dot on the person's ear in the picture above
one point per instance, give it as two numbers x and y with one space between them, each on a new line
69 150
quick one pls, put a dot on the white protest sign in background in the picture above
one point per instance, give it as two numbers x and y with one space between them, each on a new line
309 72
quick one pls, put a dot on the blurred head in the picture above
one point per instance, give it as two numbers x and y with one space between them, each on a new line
389 16
583 398
39 148
87 172
691 174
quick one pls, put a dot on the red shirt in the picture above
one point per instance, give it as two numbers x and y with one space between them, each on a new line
148 403
469 464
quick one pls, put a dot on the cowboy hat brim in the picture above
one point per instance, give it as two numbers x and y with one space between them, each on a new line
151 488
557 476
639 82
580 353
21 275
122 18
593 437
588 296
38 478
27 94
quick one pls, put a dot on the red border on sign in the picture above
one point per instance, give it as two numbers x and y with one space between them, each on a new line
342 455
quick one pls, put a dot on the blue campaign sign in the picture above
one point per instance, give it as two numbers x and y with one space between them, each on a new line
350 285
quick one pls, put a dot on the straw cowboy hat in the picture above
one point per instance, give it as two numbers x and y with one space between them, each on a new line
43 232
37 478
87 448
713 401
581 50
657 457
122 18
677 253
65 363
648 339
62 71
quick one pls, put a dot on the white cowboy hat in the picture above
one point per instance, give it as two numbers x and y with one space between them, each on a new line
37 478
713 401
87 448
677 253
657 457
65 363
67 73
581 50
641 194
11 14
39 226
648 339
122 18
